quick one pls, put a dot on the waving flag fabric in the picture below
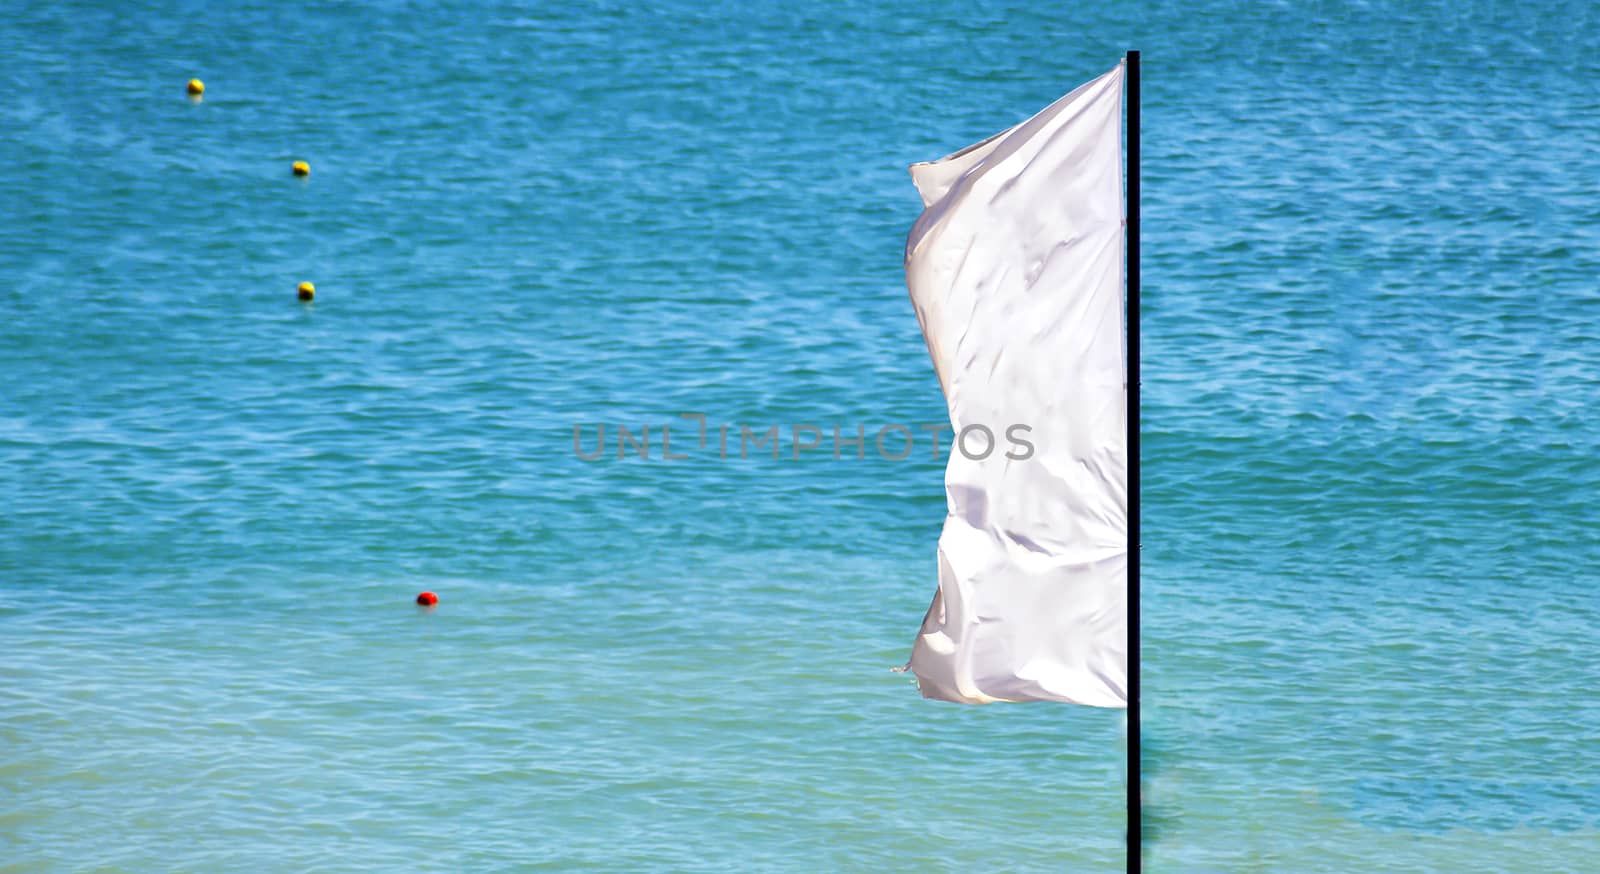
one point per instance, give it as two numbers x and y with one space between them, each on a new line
1015 269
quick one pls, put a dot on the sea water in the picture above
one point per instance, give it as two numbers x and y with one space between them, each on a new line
1372 237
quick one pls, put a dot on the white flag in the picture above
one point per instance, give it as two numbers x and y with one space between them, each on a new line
1016 272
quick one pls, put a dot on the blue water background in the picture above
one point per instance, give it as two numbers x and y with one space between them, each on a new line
1372 237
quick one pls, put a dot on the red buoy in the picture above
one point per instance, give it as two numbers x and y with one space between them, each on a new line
427 599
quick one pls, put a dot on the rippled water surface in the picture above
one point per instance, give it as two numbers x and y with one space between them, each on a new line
1372 237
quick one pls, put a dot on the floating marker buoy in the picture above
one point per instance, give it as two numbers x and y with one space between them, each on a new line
307 291
196 87
427 599
301 168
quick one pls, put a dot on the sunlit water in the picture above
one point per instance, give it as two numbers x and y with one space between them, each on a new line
1372 237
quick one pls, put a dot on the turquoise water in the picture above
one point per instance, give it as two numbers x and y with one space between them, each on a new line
1372 237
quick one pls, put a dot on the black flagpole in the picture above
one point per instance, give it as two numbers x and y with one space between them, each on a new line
1135 841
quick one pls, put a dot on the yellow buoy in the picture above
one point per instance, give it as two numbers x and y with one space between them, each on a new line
197 87
301 168
307 291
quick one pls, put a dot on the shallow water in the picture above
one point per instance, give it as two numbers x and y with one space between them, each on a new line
1371 240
